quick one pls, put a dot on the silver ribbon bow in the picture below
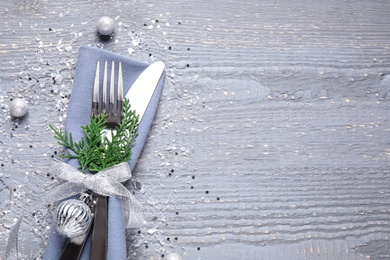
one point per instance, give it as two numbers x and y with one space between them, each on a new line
106 183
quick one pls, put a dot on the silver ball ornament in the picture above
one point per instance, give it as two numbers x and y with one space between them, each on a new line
174 256
105 26
73 218
18 107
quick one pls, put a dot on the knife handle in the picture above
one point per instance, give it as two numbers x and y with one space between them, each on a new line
99 233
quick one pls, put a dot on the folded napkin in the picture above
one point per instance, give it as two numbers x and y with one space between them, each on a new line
79 115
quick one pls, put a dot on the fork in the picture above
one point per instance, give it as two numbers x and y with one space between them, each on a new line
113 118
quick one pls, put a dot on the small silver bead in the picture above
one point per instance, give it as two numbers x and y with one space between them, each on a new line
18 107
105 26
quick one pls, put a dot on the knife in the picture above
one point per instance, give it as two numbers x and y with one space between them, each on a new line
139 95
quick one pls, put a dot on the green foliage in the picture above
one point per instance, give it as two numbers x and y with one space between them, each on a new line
100 148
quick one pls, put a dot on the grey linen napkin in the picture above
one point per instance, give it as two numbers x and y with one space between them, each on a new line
79 115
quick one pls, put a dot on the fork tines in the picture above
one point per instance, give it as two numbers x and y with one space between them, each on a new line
114 114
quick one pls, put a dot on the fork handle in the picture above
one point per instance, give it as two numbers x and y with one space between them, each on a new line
99 234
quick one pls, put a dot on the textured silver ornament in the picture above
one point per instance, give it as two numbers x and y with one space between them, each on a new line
18 107
105 26
73 218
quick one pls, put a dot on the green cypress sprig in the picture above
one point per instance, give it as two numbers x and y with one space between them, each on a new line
97 151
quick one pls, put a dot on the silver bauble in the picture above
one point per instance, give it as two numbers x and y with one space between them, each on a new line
18 107
73 218
105 26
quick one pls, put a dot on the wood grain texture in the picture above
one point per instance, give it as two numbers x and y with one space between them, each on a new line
271 138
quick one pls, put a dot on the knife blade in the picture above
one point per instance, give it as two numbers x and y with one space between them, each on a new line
142 90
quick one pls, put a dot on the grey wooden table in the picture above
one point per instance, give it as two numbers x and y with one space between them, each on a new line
271 140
